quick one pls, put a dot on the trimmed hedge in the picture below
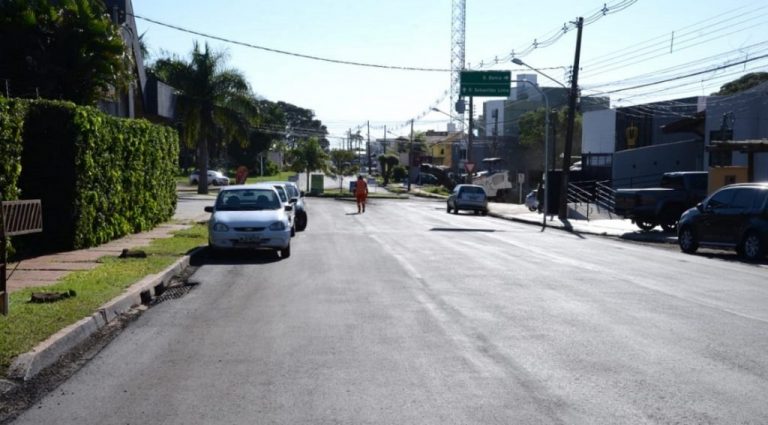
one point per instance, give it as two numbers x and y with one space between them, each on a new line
11 124
99 177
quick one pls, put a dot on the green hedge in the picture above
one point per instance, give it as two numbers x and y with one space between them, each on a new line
99 177
11 125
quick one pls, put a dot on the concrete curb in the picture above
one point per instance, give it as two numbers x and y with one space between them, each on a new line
28 365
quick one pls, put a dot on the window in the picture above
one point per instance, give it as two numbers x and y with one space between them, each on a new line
743 198
759 200
721 199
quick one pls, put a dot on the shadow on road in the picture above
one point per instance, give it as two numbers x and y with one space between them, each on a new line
234 257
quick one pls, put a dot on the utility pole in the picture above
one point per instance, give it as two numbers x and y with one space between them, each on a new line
368 146
563 204
469 141
410 158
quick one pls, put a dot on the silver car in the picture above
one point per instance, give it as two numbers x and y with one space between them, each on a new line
283 192
296 197
468 197
216 178
249 217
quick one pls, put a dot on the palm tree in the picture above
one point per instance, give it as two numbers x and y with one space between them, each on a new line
213 103
308 156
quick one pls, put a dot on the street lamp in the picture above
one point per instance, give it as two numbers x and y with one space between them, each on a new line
449 115
546 146
517 61
572 94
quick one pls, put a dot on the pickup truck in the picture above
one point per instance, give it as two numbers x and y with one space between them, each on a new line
648 207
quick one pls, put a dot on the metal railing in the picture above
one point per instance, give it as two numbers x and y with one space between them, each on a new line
605 196
580 193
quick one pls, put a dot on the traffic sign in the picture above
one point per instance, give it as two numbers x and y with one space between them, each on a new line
485 83
469 166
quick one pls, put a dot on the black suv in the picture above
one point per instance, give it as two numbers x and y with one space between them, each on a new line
735 216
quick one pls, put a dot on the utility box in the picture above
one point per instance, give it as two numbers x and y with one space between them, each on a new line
316 184
721 176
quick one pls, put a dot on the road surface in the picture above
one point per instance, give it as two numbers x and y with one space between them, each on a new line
408 315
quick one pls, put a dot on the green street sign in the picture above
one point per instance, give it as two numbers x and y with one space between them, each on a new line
485 83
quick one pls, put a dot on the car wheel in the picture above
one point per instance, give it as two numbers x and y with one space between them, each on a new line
532 208
301 222
645 225
687 240
285 252
293 230
484 212
752 247
669 227
455 210
448 209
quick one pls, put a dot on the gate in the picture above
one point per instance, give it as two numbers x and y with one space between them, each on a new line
16 218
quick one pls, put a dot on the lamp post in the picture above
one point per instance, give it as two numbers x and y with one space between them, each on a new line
563 196
546 146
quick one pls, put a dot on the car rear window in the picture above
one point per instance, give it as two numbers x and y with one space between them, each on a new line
248 199
473 190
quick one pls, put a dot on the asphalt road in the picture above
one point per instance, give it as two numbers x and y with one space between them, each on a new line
408 315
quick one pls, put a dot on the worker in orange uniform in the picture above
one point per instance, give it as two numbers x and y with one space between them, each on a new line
361 193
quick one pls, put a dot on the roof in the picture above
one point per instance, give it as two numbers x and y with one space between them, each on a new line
755 145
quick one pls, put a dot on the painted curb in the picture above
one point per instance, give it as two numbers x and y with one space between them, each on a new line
28 365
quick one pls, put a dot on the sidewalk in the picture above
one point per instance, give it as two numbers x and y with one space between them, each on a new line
47 269
614 227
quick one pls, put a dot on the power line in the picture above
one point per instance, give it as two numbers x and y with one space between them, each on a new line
285 52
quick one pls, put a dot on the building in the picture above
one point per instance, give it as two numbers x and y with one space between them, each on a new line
147 97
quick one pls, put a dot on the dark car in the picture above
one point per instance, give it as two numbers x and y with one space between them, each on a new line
735 216
468 197
299 205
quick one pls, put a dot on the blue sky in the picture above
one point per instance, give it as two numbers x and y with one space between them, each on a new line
632 47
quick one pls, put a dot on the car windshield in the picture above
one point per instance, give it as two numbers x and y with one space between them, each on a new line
248 199
281 192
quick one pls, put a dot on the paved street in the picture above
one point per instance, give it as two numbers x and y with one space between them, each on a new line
406 314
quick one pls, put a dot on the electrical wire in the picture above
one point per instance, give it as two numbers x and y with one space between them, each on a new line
285 52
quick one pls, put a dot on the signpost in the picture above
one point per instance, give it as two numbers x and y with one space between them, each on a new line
482 83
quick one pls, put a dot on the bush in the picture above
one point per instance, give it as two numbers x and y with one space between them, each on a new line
99 177
11 125
399 173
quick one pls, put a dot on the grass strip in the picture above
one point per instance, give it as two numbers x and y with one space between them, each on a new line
29 323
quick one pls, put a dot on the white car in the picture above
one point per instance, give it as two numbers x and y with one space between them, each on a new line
249 217
216 178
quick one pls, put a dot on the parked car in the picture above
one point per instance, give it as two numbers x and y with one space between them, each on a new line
216 178
282 191
648 207
735 216
468 197
296 197
249 217
532 200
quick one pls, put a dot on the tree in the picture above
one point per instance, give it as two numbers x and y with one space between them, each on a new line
213 103
300 123
61 49
308 156
745 82
341 160
387 163
532 132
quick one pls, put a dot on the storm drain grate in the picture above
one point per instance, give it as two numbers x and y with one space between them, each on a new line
174 292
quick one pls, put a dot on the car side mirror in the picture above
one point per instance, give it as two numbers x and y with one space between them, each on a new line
289 207
294 200
209 209
301 193
700 206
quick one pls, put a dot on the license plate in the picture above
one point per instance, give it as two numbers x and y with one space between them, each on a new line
250 239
